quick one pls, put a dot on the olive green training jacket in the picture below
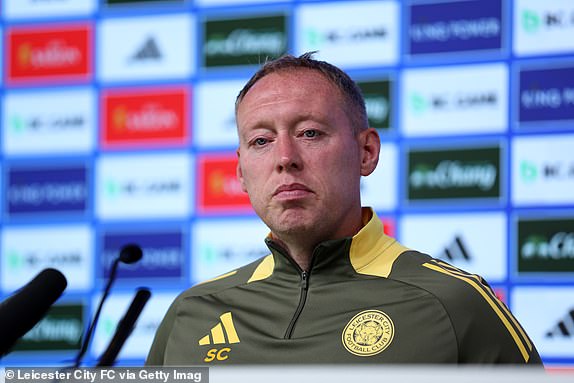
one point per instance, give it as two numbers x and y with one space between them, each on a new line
365 299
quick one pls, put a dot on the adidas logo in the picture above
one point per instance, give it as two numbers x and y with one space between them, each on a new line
564 327
148 51
455 251
218 334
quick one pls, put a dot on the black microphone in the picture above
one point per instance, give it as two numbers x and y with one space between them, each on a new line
28 305
130 253
125 328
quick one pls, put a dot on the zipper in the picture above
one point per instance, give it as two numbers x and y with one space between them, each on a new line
302 299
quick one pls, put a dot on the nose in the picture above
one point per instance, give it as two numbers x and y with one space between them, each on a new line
287 154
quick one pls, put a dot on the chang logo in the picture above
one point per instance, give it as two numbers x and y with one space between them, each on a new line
453 174
530 21
368 333
559 246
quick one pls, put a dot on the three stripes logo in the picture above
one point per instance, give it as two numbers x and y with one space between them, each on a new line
564 328
223 333
456 251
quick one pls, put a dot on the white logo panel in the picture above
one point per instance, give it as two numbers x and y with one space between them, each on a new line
49 122
28 251
543 26
543 170
350 34
379 190
215 113
547 314
213 255
146 47
140 340
473 242
455 100
143 186
20 9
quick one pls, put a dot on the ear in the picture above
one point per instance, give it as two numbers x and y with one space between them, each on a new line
239 172
370 145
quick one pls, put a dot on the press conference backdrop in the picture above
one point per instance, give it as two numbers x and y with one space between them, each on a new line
118 126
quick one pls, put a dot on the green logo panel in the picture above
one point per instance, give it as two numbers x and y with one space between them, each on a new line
454 174
377 96
245 41
61 329
545 245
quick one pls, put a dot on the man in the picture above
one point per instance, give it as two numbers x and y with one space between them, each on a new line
334 289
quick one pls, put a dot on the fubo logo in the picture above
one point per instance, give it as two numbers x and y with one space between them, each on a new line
244 41
454 174
219 188
455 27
145 117
545 245
49 53
377 95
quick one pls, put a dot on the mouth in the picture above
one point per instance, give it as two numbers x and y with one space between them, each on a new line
292 191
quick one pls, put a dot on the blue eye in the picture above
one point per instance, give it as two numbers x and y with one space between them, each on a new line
260 141
310 133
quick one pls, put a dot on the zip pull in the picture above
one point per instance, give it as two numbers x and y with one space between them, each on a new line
304 280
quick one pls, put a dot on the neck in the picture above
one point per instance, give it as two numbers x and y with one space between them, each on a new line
300 253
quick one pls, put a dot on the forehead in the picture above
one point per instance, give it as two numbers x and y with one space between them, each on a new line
298 83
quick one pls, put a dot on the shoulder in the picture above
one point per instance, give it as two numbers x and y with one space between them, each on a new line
252 272
485 328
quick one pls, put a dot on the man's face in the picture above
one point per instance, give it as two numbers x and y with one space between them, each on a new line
299 159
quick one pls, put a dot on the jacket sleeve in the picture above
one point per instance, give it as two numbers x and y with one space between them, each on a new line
486 330
157 351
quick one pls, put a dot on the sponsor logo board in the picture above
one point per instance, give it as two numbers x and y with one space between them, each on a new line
23 9
455 100
547 314
545 245
455 27
50 53
214 108
67 248
350 34
59 122
144 186
144 48
219 190
61 329
542 27
243 41
474 242
542 170
378 101
164 255
545 94
145 117
140 340
455 174
243 243
47 190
